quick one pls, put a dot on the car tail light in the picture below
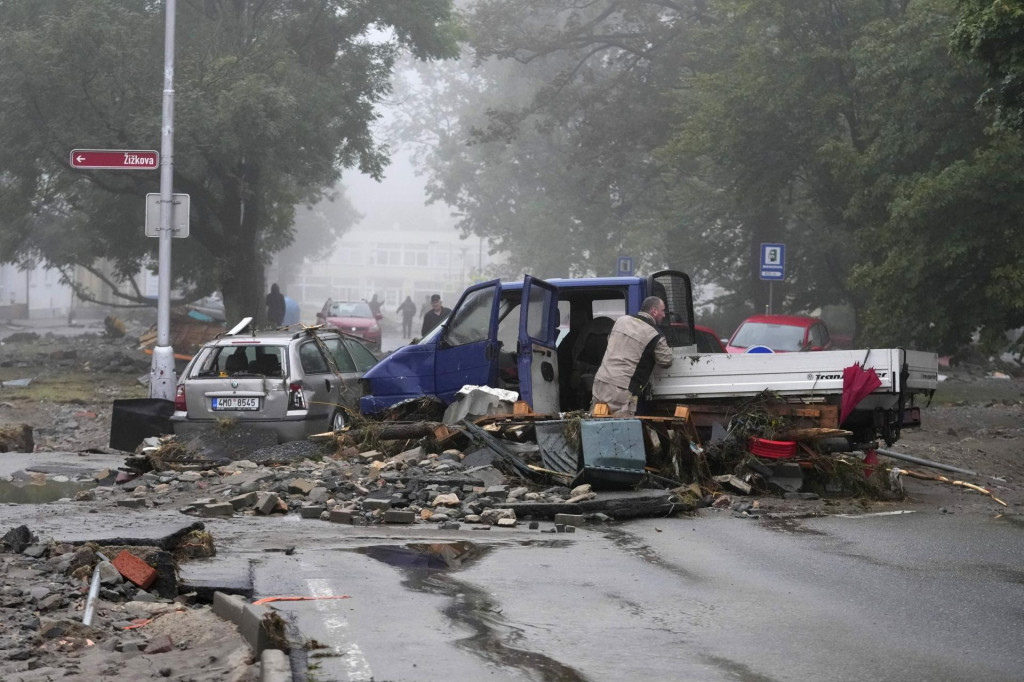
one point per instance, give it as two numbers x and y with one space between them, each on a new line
295 399
179 399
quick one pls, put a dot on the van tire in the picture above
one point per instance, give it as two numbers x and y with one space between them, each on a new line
337 421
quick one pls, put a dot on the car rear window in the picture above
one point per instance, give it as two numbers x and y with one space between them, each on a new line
248 359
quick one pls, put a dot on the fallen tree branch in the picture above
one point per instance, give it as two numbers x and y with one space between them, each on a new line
943 479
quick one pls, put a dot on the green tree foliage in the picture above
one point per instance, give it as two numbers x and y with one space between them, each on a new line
992 33
273 99
546 148
687 133
951 257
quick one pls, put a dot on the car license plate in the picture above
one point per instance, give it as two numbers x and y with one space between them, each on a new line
236 403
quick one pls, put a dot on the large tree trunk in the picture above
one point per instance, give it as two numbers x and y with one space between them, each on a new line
242 272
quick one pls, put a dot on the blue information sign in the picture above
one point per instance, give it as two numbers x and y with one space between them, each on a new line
623 266
773 261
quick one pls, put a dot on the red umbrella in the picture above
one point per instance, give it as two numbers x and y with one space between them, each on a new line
857 383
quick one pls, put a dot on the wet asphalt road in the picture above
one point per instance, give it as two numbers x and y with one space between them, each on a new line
910 597
918 596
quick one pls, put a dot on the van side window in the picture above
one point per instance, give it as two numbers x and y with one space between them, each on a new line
472 320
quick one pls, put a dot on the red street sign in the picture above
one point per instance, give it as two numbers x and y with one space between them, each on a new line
114 159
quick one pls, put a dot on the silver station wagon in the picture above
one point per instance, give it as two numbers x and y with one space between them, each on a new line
294 383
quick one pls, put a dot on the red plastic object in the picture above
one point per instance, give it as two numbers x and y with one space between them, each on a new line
870 457
772 449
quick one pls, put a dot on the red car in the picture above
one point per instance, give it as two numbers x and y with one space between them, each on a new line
352 317
707 340
781 333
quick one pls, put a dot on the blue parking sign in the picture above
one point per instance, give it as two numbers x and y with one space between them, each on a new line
624 266
773 261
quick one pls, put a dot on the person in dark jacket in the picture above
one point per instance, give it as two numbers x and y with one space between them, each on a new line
435 316
635 345
275 306
375 306
408 311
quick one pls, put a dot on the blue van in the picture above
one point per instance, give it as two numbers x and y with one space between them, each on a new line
546 350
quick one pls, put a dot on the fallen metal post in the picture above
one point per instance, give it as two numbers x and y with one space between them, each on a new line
925 462
94 590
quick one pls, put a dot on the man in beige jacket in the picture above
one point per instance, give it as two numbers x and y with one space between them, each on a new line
635 344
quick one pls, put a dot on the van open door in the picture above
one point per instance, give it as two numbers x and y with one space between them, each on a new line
538 356
673 287
467 352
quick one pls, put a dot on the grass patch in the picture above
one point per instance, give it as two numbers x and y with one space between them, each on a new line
76 388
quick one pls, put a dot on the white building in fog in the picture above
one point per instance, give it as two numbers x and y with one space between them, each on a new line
392 264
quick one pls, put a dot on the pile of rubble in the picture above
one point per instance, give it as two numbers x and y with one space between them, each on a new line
496 470
134 627
413 486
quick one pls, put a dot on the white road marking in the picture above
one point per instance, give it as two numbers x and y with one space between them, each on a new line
358 668
864 516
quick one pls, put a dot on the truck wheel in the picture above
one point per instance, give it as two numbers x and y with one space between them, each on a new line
338 421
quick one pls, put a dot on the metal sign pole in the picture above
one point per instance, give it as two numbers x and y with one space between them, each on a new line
768 308
162 377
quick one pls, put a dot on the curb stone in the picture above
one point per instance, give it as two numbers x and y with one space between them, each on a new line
250 620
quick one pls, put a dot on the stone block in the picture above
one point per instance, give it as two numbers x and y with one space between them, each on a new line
399 516
312 511
266 503
132 503
343 516
244 501
218 509
570 519
373 504
496 492
300 486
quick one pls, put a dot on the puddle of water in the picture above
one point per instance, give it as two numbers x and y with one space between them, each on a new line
428 568
430 557
49 490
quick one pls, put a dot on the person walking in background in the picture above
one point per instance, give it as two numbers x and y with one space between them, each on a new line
275 306
435 315
408 311
375 306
